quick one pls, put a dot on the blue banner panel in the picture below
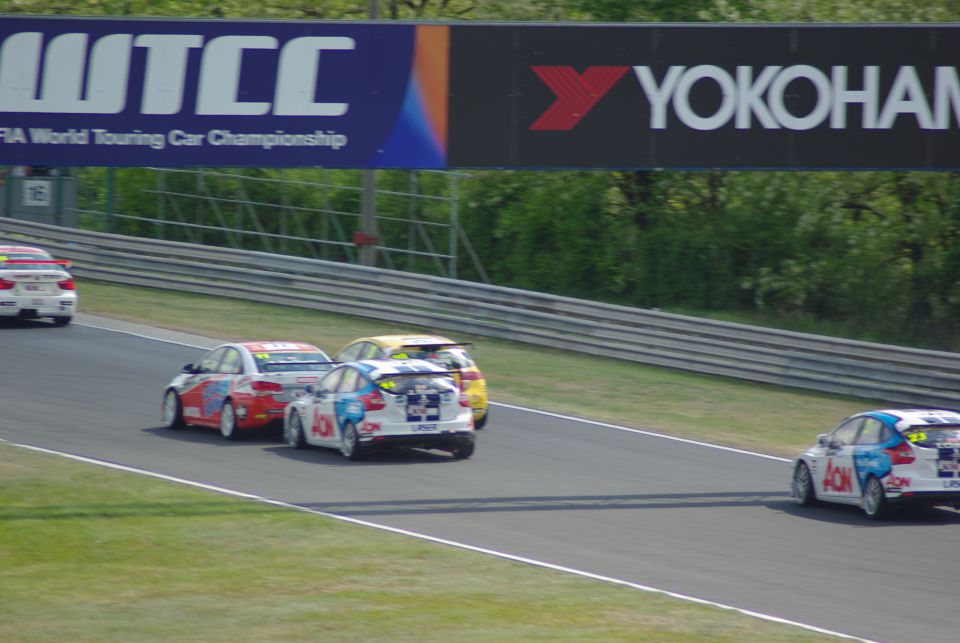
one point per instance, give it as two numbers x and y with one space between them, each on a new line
221 93
705 96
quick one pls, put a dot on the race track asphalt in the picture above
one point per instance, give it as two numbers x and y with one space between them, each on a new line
681 517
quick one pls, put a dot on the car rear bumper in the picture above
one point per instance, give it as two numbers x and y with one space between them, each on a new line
944 498
442 441
29 307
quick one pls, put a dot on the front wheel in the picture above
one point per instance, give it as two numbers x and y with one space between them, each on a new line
482 422
874 499
293 431
803 485
228 421
171 412
350 443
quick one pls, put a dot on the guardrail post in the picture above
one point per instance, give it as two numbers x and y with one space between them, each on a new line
111 185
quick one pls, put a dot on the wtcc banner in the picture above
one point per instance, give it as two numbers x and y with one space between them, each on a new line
706 96
376 95
219 93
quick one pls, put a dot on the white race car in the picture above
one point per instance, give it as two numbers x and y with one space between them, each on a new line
375 403
33 285
883 459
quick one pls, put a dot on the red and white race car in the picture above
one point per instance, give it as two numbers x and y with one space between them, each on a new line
33 285
243 386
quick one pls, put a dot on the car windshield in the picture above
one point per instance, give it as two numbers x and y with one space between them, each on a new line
449 358
417 383
933 437
25 256
292 361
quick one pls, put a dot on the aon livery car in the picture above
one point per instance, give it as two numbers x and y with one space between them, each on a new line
883 459
239 387
449 354
33 285
381 403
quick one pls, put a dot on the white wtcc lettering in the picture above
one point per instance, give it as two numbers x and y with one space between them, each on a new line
746 97
71 82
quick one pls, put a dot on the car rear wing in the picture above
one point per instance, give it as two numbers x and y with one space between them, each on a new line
425 347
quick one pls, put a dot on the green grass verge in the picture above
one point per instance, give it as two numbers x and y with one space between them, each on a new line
769 419
92 554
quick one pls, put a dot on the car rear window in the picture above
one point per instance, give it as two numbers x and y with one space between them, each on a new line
449 358
25 256
933 437
292 361
417 383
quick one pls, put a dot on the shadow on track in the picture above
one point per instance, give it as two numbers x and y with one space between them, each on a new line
853 516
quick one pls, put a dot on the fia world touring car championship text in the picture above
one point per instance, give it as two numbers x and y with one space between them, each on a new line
174 138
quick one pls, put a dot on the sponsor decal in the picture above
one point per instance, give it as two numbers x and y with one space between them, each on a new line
758 96
838 479
951 484
369 427
896 482
322 425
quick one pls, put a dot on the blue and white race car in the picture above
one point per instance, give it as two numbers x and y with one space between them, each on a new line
367 404
883 459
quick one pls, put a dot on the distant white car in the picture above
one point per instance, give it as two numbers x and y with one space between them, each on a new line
34 285
883 459
367 404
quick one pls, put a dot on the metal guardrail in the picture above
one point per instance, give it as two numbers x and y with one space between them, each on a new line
892 374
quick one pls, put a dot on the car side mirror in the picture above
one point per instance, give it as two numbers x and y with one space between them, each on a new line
822 440
189 369
308 389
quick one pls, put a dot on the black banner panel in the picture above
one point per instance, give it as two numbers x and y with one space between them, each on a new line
706 96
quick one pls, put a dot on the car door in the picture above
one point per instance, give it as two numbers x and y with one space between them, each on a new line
200 388
346 404
322 419
869 458
837 477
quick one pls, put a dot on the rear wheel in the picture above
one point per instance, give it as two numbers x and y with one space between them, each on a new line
62 321
171 412
350 444
293 431
803 485
874 501
482 422
228 421
463 451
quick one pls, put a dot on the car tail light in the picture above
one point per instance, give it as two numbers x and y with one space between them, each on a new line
373 401
464 400
467 376
261 387
6 284
901 454
67 284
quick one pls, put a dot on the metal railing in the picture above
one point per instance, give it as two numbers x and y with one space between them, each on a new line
893 374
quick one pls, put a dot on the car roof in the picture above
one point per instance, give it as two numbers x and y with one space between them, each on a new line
377 368
396 341
278 346
917 417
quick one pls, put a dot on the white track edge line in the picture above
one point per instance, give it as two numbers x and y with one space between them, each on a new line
605 425
442 541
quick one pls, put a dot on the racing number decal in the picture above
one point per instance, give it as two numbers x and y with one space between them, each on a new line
322 425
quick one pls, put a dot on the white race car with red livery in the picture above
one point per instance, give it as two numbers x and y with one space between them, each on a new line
378 403
34 285
241 387
880 460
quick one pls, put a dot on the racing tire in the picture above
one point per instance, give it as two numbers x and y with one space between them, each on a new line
293 431
62 321
874 501
171 411
463 451
482 422
803 489
350 444
228 421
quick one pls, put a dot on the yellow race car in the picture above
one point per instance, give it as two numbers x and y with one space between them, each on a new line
433 348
